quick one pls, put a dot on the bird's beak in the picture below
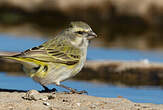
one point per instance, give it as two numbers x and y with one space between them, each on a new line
91 35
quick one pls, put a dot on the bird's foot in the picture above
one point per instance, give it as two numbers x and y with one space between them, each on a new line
49 90
76 92
79 92
72 91
46 89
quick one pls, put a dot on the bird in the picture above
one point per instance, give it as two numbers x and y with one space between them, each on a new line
59 58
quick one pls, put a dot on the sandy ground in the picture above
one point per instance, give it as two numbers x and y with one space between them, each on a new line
33 100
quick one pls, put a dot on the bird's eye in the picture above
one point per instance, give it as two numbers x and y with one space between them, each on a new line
79 32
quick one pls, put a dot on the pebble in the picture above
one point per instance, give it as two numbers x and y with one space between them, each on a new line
31 95
35 95
46 103
93 106
53 96
43 98
78 104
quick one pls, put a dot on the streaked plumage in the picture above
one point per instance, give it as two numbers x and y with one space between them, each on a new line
59 58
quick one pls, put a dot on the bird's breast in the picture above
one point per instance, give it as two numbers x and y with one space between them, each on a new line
81 63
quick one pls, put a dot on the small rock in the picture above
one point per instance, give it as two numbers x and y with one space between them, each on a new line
31 95
35 95
78 104
65 100
51 96
92 106
144 106
137 104
43 98
46 103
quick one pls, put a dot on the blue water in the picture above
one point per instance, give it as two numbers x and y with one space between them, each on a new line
117 54
140 95
143 94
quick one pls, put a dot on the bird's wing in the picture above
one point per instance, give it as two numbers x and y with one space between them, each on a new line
60 54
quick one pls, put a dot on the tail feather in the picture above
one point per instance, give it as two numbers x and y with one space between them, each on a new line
11 57
30 66
23 60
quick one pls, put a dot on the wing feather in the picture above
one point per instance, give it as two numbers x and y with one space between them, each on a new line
65 55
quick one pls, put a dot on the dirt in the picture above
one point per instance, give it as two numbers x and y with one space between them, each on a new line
34 100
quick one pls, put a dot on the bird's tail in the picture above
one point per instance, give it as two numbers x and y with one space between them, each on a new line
27 62
11 57
22 60
30 66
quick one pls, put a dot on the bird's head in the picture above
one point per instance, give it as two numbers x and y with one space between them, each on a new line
81 32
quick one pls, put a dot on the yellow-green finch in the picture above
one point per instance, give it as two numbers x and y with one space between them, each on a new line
58 59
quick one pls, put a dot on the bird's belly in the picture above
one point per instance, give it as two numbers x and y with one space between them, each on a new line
59 73
54 75
69 73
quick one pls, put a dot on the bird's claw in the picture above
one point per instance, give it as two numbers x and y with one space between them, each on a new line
49 90
78 92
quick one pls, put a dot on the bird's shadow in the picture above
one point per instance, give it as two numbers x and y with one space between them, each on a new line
11 90
42 91
21 91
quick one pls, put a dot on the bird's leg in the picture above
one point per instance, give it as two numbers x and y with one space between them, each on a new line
47 89
72 90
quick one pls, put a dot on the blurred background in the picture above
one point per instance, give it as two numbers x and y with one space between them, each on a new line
128 30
